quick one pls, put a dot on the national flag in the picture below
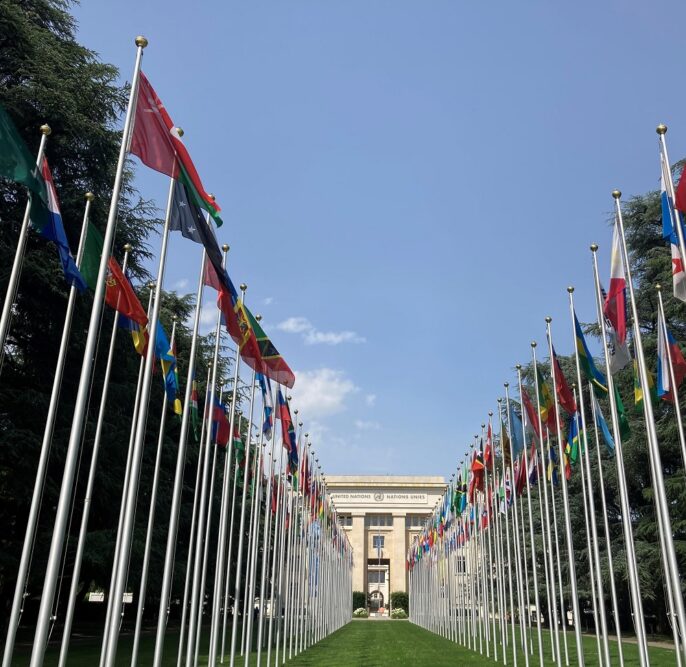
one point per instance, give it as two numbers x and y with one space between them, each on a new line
90 259
157 142
520 474
195 417
220 424
274 364
586 361
638 388
615 303
516 428
139 334
553 472
545 399
668 349
624 426
533 464
488 451
120 295
564 393
670 233
268 422
505 449
619 352
167 359
532 418
477 470
602 425
573 440
54 231
287 429
680 194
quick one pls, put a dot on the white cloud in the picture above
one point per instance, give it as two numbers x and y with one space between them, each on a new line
321 392
362 425
208 318
180 285
370 400
268 301
313 336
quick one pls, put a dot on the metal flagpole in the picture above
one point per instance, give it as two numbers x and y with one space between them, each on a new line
518 572
491 518
669 553
525 565
15 273
557 655
197 565
542 483
151 522
62 513
172 531
534 565
85 514
206 418
241 528
132 491
585 455
275 551
34 511
603 507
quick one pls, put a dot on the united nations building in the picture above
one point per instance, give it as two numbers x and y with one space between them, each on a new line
382 515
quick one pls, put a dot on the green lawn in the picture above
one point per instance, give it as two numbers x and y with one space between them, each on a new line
358 644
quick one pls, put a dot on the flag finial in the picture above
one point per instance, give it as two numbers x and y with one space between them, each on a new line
225 247
661 129
483 425
45 129
258 318
518 367
490 413
616 194
243 287
506 384
141 41
548 319
128 247
89 196
594 247
570 289
533 343
658 287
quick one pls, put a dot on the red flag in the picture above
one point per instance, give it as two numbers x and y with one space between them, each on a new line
120 295
157 143
530 412
564 393
488 452
477 481
680 194
520 477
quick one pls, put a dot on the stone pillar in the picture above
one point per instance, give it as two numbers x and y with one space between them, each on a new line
358 541
398 554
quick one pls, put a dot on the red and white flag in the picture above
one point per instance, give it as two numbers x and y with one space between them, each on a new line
615 302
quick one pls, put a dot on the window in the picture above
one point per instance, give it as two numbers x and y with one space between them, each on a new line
376 576
415 520
378 520
346 520
377 542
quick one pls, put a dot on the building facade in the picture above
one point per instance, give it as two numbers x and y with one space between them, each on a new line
381 515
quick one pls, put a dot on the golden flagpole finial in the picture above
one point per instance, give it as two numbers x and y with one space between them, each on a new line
45 129
616 194
89 196
141 41
661 129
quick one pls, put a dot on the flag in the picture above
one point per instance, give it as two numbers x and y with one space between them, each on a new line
120 295
624 427
287 429
520 475
195 421
516 430
139 334
602 425
638 389
187 218
268 422
545 399
619 352
680 194
564 393
157 142
586 361
477 470
167 359
220 424
573 440
668 349
533 464
488 452
532 419
670 233
54 231
505 445
90 260
553 466
615 302
274 364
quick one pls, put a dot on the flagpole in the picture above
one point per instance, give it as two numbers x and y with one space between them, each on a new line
489 510
634 585
62 513
531 526
661 131
241 528
15 273
191 538
525 573
551 565
590 498
662 322
197 565
29 537
151 521
669 554
172 531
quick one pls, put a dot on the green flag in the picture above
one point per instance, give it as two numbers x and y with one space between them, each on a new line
90 262
624 428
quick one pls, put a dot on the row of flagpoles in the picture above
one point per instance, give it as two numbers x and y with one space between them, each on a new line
480 574
279 544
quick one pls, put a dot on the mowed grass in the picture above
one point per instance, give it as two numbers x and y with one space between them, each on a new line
358 644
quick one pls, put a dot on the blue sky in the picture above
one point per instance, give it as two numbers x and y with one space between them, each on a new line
407 187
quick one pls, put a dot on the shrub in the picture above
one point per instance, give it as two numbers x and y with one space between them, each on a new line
361 613
359 599
400 600
398 613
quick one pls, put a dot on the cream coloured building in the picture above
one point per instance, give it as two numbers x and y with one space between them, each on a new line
381 515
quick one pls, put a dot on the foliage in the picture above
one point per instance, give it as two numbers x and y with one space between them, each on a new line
361 613
359 599
400 600
399 613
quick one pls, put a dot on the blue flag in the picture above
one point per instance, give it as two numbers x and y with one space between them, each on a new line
602 425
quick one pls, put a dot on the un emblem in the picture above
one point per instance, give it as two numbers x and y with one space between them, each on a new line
378 497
